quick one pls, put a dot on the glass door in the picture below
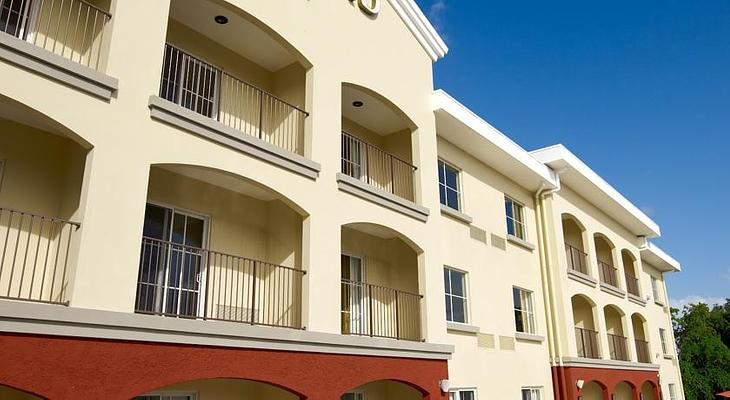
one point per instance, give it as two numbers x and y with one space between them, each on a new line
353 296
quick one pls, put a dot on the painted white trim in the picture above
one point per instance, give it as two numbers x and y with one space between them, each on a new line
610 364
655 256
560 155
443 102
421 27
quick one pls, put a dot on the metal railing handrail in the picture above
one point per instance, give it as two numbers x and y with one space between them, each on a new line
632 283
223 71
608 273
576 249
55 219
107 13
389 154
204 250
350 282
622 352
642 351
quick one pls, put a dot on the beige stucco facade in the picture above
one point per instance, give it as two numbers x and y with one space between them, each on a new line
275 190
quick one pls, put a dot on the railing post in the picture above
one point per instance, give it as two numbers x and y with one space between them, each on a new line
370 308
207 256
261 115
397 320
392 177
367 161
253 292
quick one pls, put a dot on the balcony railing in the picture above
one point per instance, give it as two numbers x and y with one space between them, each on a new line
632 284
577 259
207 90
371 310
191 282
618 347
642 351
73 29
34 256
376 167
587 343
609 273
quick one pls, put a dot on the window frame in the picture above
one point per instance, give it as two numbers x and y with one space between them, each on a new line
672 389
530 324
516 206
459 185
459 391
531 390
663 341
449 296
656 289
358 394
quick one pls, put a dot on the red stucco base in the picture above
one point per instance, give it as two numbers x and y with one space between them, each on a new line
62 368
565 381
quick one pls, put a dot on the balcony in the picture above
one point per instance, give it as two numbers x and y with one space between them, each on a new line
618 347
632 284
608 273
587 343
192 282
34 257
643 353
577 259
378 311
72 29
376 167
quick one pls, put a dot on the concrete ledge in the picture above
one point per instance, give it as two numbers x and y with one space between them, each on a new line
44 319
455 214
181 117
668 357
582 278
51 65
610 364
637 300
361 189
462 328
659 303
610 289
520 242
529 337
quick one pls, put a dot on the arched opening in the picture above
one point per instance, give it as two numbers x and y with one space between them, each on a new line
8 393
376 142
638 324
380 294
617 340
41 176
593 391
219 389
226 65
575 249
630 272
383 390
649 391
604 259
219 246
586 334
624 391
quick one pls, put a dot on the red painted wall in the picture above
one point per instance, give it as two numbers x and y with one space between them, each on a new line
71 368
565 381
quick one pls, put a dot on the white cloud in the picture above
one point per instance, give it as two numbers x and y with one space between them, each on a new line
693 299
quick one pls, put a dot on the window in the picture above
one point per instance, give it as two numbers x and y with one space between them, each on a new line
463 394
531 394
353 396
515 218
449 185
672 391
524 311
455 287
655 288
14 17
663 337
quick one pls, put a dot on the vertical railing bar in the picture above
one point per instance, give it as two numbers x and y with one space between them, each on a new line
37 250
55 262
15 254
25 255
5 246
65 264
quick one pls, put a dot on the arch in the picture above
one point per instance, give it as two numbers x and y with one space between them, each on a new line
586 328
638 323
624 390
605 259
214 386
575 239
384 231
631 272
389 389
616 333
650 390
384 104
12 393
594 390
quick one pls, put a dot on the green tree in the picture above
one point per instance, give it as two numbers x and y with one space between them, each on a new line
703 336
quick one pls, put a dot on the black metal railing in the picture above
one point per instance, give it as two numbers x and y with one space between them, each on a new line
376 167
378 311
608 273
642 351
207 90
34 256
191 282
587 343
632 284
73 29
577 259
618 347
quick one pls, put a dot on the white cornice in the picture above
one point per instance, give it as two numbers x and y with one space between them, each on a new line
655 256
421 28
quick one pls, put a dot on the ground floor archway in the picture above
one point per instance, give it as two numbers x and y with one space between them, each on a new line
595 383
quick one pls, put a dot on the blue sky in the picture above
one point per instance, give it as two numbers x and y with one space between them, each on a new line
640 90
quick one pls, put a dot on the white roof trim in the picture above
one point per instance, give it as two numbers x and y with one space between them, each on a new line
559 152
656 256
442 101
421 28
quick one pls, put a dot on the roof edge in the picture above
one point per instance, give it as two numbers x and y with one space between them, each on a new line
442 101
421 28
669 261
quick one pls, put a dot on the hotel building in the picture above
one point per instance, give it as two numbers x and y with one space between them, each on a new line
240 199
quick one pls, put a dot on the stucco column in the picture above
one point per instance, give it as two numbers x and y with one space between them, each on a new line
321 294
602 332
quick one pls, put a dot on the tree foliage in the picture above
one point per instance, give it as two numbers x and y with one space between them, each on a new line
703 342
